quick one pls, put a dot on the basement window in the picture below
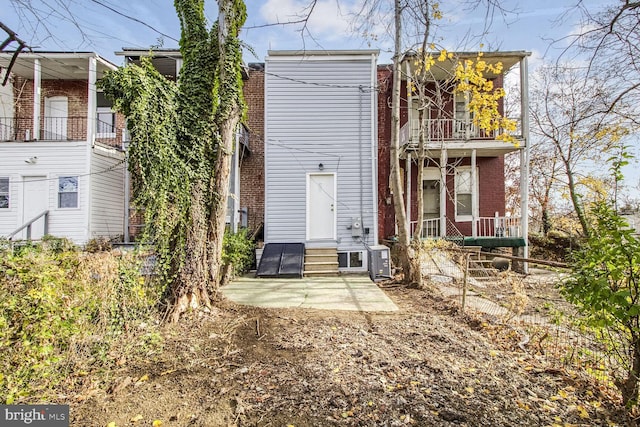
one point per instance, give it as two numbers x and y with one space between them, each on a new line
350 259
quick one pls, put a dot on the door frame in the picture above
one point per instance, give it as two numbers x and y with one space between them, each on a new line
335 204
48 117
44 178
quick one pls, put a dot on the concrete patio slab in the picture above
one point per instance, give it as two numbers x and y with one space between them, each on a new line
346 292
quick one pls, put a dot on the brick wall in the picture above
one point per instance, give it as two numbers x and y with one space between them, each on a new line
76 92
490 176
252 166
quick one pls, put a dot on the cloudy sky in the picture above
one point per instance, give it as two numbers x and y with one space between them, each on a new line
105 26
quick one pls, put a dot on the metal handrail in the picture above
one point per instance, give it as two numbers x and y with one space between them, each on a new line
28 224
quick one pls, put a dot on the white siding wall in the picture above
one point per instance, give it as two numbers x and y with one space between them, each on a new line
319 110
107 193
53 160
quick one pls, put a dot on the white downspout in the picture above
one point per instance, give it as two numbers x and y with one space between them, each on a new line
443 192
37 102
235 199
474 195
524 157
91 129
374 146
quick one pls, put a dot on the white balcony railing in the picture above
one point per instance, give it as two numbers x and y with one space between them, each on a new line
447 130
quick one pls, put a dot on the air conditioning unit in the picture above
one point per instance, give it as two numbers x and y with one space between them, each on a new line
379 262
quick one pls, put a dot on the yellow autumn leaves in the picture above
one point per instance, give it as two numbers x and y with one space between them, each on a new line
481 95
483 100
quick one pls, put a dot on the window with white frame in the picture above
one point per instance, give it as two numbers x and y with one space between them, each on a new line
68 192
350 259
105 117
463 117
464 194
4 193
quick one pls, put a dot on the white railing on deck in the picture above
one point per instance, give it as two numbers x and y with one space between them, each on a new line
498 226
430 228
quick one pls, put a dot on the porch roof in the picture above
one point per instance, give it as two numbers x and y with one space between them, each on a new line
56 65
443 70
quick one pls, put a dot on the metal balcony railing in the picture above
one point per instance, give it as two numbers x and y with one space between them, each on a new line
71 128
447 130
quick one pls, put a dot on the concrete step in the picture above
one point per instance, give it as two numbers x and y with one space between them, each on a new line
321 273
321 258
321 251
321 266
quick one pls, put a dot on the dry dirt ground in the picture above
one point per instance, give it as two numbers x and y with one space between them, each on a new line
426 365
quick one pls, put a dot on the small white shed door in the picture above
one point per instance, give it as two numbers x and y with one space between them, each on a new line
35 199
321 206
55 118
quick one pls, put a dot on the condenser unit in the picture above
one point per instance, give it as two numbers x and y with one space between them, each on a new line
379 262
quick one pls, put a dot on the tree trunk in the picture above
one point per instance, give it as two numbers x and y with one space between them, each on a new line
421 156
575 200
404 251
231 16
190 287
629 388
220 189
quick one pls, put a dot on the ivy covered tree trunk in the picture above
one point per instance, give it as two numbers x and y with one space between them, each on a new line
231 17
182 138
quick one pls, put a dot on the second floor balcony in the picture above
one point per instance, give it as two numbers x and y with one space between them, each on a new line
71 128
455 134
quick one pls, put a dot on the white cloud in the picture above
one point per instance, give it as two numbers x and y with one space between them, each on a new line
329 20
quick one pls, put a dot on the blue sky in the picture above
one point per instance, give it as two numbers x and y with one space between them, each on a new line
530 25
99 25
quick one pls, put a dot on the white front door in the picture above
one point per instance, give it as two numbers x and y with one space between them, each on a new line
321 206
35 200
55 118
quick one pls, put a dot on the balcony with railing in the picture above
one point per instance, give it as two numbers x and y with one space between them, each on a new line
450 132
72 128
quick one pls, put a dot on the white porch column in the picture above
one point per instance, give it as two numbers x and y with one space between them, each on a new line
474 195
234 182
443 192
91 101
178 67
524 156
37 102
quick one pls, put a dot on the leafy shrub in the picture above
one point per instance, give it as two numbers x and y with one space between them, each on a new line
238 251
605 286
63 312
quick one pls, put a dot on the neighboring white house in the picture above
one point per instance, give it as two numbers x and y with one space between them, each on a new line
321 154
60 149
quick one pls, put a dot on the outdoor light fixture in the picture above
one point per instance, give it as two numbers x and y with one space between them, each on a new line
321 166
32 160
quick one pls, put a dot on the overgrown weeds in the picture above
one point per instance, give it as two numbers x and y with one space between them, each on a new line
66 313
